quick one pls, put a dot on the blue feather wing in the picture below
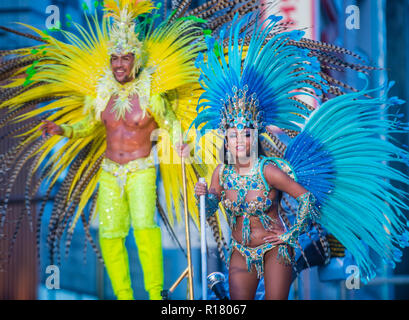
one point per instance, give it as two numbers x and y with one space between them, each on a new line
341 158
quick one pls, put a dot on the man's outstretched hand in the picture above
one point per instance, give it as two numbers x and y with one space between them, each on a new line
49 127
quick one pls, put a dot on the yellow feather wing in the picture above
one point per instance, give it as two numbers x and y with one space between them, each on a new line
172 49
64 74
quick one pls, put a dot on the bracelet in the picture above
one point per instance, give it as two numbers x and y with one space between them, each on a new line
211 203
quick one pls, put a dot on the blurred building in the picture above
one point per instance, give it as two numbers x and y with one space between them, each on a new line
19 275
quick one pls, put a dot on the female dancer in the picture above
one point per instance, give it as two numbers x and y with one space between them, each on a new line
335 165
249 190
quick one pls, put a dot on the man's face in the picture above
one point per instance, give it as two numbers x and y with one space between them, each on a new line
122 67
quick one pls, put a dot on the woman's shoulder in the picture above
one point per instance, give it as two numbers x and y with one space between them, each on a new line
278 173
219 170
269 170
268 164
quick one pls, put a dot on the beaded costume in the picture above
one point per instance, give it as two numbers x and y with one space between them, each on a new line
255 76
231 180
254 256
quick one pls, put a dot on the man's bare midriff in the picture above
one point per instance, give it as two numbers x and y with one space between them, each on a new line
130 138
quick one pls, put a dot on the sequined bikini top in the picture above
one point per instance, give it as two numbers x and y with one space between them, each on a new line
229 179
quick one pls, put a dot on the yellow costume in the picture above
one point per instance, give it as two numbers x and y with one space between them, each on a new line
127 193
119 206
70 83
79 81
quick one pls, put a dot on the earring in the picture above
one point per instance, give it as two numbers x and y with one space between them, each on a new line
229 156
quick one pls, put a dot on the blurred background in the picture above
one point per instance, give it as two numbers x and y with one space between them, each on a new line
375 29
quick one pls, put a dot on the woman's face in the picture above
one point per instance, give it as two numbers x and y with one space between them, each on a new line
240 143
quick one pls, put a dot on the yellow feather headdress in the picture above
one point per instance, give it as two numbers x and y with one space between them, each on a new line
123 38
132 8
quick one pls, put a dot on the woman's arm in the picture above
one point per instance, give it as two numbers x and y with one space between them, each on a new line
281 181
306 201
213 194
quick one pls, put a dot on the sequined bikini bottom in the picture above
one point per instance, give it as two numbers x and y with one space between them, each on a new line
254 256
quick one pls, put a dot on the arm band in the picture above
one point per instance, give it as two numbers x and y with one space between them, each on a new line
212 204
305 214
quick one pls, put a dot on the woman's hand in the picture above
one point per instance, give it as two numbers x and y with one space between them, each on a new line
201 189
50 128
273 238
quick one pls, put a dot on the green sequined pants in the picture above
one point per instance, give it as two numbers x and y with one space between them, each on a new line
122 204
127 195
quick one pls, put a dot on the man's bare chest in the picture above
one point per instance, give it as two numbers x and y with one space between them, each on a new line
134 118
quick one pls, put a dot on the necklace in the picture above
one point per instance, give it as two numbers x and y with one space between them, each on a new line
242 183
252 171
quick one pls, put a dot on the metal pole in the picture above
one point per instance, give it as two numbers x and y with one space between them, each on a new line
187 231
203 247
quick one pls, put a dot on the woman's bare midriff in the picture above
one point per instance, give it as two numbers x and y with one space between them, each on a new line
258 233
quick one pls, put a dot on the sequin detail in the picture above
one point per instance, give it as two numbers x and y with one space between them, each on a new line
135 207
254 256
306 213
231 180
121 170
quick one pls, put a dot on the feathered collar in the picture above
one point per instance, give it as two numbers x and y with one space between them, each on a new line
109 86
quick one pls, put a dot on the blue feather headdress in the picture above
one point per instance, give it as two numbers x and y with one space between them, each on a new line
256 85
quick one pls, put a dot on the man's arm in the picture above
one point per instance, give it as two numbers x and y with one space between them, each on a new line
81 129
165 117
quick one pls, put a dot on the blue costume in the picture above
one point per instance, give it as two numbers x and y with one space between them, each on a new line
255 78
